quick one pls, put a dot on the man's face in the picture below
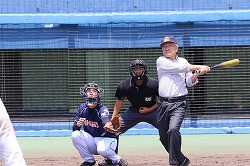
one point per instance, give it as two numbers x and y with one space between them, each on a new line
91 92
169 50
138 70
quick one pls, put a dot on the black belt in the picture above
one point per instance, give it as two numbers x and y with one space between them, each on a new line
173 99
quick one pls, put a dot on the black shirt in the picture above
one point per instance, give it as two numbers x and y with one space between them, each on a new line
139 96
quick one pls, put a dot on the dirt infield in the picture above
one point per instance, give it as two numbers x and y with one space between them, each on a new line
134 160
143 150
160 160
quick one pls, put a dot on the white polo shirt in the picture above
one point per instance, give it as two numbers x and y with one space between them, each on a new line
174 76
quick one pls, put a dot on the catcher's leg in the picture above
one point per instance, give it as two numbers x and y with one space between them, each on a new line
107 161
85 144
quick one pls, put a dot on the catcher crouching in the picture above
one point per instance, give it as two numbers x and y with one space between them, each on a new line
89 136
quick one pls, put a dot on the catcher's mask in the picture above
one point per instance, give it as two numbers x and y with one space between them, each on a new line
138 69
92 93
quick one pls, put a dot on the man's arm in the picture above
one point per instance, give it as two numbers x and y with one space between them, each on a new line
110 126
204 68
117 107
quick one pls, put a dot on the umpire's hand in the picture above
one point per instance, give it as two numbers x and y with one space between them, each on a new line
144 110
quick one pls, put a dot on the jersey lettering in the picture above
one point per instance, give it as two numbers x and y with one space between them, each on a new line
91 123
148 98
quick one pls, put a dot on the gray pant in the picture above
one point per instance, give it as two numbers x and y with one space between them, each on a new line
170 117
130 118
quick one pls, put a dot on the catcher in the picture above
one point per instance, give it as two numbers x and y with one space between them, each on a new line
142 93
93 139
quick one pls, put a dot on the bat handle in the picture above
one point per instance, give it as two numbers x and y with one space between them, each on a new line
198 71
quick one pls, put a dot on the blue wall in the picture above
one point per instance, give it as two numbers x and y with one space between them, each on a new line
122 23
107 6
123 36
220 126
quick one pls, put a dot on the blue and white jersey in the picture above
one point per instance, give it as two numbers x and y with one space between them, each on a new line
95 119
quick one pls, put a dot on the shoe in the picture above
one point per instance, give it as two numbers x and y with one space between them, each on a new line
105 162
85 163
186 162
122 163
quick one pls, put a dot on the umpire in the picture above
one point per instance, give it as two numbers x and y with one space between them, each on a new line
142 93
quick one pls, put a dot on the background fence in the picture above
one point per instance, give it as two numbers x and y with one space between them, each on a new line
49 49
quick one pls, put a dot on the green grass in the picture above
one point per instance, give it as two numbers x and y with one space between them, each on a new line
141 145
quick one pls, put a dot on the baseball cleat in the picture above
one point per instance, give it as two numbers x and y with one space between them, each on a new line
105 162
85 163
186 162
122 163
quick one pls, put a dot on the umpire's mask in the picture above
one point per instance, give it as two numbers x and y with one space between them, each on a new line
138 70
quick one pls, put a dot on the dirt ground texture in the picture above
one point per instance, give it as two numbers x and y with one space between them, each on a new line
143 150
160 160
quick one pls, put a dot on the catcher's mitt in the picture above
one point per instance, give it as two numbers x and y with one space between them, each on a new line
114 125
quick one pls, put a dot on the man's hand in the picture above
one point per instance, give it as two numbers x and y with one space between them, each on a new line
114 125
80 122
144 110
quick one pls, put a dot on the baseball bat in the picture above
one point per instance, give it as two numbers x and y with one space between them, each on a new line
225 64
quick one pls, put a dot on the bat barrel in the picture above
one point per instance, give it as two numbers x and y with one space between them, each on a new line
230 63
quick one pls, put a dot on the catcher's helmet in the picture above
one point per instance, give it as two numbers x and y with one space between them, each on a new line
138 64
91 97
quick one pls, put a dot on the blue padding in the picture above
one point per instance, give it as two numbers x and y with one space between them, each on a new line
241 130
219 126
218 123
130 17
133 131
222 130
141 132
44 133
43 126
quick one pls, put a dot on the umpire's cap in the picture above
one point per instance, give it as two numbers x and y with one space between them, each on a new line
168 39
